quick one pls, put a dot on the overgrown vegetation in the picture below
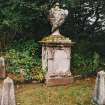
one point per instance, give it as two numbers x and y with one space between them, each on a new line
24 59
85 65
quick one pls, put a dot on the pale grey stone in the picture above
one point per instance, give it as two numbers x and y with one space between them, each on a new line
57 17
8 94
0 95
57 61
56 49
99 91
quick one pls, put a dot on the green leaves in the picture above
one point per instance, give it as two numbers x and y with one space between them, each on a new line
25 55
85 65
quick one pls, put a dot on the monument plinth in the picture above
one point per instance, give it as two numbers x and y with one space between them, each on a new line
56 51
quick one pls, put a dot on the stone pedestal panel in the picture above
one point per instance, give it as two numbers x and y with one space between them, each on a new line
56 49
56 60
59 81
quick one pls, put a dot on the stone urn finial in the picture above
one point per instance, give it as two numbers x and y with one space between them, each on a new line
57 17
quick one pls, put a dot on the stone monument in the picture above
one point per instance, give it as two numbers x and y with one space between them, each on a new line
8 94
2 67
0 93
56 50
99 92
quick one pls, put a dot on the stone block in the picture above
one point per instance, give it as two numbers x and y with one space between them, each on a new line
59 81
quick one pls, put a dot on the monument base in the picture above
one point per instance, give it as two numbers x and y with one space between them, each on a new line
59 81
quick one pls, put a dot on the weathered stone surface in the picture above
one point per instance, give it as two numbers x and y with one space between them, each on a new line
59 81
8 94
2 67
0 94
99 92
56 39
56 50
57 17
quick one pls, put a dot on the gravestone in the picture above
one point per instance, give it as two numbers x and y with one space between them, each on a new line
0 94
56 50
2 67
8 94
99 92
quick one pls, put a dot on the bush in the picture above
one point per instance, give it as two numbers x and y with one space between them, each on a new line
38 74
85 65
25 55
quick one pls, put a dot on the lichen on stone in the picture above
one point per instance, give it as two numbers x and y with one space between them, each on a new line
55 39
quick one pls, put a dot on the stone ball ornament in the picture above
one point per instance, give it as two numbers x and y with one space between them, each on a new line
57 17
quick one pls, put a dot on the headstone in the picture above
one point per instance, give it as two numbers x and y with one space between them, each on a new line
0 95
2 67
99 92
8 94
56 50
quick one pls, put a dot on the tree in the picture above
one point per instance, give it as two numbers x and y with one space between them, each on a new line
22 18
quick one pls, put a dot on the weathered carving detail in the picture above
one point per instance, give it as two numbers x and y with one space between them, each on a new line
56 51
57 17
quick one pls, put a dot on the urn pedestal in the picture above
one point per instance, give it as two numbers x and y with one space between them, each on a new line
56 55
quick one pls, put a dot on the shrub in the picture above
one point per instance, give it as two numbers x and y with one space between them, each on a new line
38 74
85 65
25 55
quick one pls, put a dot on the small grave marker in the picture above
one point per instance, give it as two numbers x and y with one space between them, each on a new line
8 94
99 92
2 67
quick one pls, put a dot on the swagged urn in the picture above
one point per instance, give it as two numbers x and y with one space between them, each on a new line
56 50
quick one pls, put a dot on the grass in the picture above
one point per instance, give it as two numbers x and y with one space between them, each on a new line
78 93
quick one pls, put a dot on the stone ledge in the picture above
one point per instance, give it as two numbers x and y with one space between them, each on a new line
56 39
59 81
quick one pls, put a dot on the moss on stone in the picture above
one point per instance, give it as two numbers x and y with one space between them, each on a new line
55 39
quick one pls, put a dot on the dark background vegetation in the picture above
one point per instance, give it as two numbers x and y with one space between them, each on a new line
24 22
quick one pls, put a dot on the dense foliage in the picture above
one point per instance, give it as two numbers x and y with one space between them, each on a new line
86 65
23 59
21 18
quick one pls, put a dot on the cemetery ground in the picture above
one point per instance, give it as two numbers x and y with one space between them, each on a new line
78 93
